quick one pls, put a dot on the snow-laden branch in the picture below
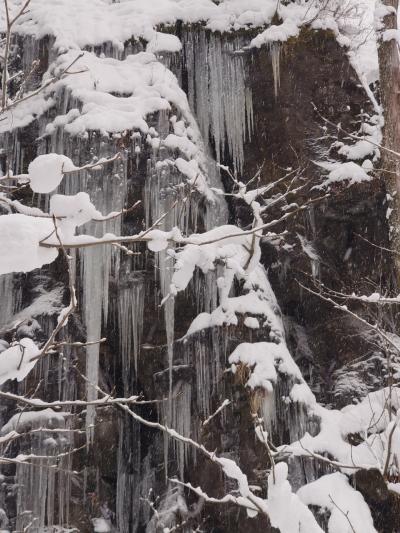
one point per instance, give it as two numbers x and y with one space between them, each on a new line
346 310
35 402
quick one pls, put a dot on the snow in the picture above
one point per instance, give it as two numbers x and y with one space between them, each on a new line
164 42
46 171
344 172
74 211
159 240
27 420
286 510
117 95
19 243
288 28
100 525
264 359
351 22
391 453
301 393
18 206
394 487
371 413
229 245
76 24
369 418
389 35
25 112
3 345
349 512
370 137
16 361
251 322
194 175
114 95
251 302
232 470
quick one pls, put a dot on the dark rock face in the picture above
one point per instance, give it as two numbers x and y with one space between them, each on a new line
126 465
317 81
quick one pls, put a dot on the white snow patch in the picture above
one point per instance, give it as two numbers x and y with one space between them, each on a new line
349 512
342 172
46 172
251 322
100 525
264 359
17 361
164 42
286 510
20 236
74 211
35 419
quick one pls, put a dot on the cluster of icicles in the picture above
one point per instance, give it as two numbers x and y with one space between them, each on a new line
216 75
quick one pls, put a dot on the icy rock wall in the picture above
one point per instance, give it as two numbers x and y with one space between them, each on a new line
215 75
110 189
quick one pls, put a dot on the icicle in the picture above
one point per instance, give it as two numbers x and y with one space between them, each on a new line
130 324
169 314
218 93
180 421
39 484
160 196
171 512
6 298
314 257
128 477
148 481
216 213
275 51
107 190
268 410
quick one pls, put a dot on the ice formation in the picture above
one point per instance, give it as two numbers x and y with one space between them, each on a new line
127 100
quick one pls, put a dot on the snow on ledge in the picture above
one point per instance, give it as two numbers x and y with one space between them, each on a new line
35 419
265 359
349 511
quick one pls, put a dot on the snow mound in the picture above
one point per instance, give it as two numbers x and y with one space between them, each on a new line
265 359
349 512
27 420
74 211
117 95
47 171
164 42
281 499
16 362
344 172
20 236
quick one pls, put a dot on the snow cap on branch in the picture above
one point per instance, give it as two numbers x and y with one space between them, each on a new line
20 237
47 171
16 362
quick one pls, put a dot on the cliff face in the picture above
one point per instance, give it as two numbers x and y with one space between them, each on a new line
261 112
317 83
